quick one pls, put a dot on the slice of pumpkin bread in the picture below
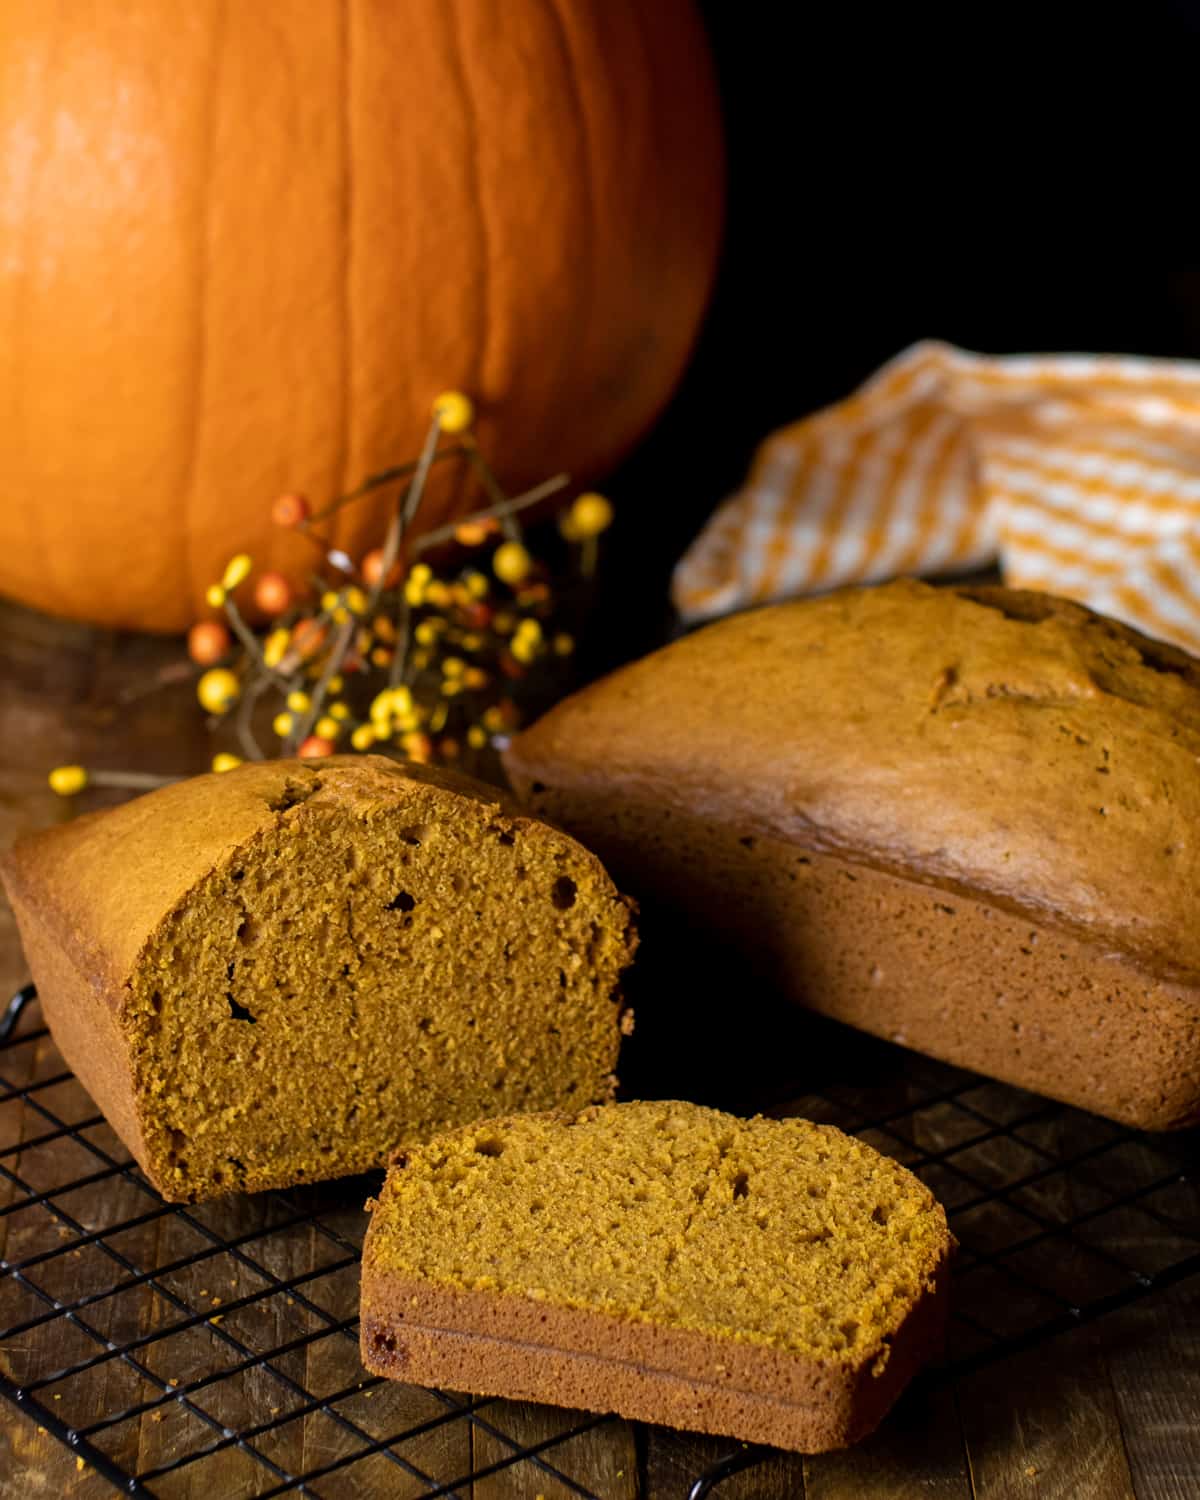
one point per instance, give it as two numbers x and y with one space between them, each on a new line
772 1280
282 973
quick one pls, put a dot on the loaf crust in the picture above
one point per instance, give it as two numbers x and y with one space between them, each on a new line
960 819
128 918
544 1344
499 1346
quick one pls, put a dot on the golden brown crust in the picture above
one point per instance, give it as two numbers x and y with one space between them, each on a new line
1015 747
958 819
195 967
654 1367
586 1360
137 862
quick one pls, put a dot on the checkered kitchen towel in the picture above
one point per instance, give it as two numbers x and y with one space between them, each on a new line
1079 474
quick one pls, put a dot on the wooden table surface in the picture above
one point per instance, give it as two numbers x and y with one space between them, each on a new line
1108 1412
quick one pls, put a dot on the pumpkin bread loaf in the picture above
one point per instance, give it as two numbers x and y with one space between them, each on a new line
772 1280
967 820
281 973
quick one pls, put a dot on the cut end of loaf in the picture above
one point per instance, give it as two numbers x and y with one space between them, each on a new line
385 956
773 1280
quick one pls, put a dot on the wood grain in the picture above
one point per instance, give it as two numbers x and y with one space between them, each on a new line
921 1444
1109 1412
1044 1426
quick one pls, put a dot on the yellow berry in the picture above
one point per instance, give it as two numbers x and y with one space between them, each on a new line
327 727
523 648
476 585
438 594
381 704
408 719
299 702
218 690
420 660
335 684
475 678
67 780
381 656
282 725
420 573
511 562
214 596
340 615
363 737
339 711
451 687
401 699
237 570
225 762
356 600
477 736
329 600
275 647
426 633
590 515
529 629
563 645
414 592
453 666
454 411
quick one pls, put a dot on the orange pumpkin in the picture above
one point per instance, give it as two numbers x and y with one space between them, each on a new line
245 245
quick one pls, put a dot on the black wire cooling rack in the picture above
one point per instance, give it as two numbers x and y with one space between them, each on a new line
214 1348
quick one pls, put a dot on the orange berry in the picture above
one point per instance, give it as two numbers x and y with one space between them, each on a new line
315 746
272 593
290 510
475 533
417 745
308 636
372 570
207 642
477 616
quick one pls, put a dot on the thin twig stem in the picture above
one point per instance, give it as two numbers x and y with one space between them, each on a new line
135 780
333 663
519 502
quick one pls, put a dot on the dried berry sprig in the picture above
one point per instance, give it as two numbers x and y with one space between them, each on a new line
395 656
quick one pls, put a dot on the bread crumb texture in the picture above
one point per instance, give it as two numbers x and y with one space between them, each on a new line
765 1232
373 953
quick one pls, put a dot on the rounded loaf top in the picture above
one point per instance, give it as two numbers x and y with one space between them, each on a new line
110 877
1008 744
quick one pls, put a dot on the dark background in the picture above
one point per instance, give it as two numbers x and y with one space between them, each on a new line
1012 178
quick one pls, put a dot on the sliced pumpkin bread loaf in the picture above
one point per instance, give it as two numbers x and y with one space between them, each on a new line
281 973
772 1280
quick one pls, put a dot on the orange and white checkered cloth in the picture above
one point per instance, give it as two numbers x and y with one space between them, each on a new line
1079 474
